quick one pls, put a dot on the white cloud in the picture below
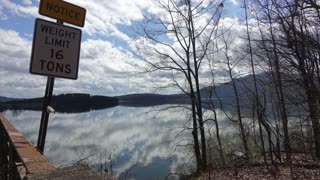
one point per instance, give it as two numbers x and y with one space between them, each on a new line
27 2
234 2
20 9
104 68
15 79
103 16
99 55
14 51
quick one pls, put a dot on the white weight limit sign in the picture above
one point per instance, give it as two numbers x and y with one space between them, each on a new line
55 50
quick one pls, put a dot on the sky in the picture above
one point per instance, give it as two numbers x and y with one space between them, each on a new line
107 64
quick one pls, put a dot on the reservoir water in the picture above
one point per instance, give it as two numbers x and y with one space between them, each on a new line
135 142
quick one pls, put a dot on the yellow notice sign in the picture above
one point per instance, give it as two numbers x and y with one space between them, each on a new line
63 11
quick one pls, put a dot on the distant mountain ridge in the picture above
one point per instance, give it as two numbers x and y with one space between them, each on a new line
243 84
5 99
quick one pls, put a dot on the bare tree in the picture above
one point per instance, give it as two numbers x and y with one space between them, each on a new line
293 44
213 107
258 107
297 48
239 119
177 43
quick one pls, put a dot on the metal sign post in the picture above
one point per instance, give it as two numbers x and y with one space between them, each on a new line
45 115
55 51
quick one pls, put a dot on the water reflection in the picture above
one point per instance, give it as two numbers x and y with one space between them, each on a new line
138 141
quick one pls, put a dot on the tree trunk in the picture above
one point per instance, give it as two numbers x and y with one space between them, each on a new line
198 93
256 94
238 108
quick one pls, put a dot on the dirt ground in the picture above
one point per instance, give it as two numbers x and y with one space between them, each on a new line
262 173
302 168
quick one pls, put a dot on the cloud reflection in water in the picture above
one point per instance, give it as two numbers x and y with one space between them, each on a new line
139 139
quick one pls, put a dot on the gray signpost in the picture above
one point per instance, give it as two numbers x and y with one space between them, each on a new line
55 51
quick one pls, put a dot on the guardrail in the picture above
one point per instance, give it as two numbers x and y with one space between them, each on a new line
18 157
